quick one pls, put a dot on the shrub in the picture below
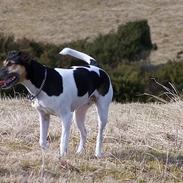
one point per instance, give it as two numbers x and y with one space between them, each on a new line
131 42
127 83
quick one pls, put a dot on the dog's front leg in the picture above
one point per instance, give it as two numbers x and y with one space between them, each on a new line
66 124
44 120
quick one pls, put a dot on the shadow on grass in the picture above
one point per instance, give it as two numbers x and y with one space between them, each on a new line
175 158
4 172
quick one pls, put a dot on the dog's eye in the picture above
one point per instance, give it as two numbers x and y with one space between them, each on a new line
9 64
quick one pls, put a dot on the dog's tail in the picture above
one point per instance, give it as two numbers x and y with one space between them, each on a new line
79 55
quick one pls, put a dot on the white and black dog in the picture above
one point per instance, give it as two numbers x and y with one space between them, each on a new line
62 92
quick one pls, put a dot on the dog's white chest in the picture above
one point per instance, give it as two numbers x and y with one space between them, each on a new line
41 107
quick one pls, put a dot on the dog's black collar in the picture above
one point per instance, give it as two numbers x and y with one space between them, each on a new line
32 97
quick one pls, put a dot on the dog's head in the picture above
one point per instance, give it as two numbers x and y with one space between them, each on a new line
13 70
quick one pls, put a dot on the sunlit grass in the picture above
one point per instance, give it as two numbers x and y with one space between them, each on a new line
143 143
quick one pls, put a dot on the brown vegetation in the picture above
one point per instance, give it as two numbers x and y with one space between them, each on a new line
143 143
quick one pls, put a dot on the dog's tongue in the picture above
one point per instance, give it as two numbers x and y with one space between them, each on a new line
2 82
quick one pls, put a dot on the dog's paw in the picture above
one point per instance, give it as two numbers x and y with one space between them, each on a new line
80 151
62 153
100 155
44 146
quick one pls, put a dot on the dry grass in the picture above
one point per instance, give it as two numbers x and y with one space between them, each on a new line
143 143
58 21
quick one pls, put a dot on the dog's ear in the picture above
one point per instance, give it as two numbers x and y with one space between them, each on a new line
24 57
19 57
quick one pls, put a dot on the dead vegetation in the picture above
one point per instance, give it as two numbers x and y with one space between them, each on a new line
63 21
143 143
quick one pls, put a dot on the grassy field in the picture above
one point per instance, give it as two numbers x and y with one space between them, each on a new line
60 21
143 143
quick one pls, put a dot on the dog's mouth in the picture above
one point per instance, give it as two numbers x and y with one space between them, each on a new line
10 81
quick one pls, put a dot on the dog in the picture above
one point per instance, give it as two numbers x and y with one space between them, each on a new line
62 92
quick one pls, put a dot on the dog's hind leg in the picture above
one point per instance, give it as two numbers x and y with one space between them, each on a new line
66 124
80 118
44 124
102 109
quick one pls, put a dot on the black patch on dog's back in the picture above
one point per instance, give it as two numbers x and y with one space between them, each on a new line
89 81
53 84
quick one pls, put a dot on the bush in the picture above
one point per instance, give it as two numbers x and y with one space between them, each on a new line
127 83
131 42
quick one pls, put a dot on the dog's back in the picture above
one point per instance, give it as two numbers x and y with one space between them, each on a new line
90 81
83 83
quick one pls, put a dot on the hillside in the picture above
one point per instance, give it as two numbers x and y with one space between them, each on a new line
62 21
143 143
